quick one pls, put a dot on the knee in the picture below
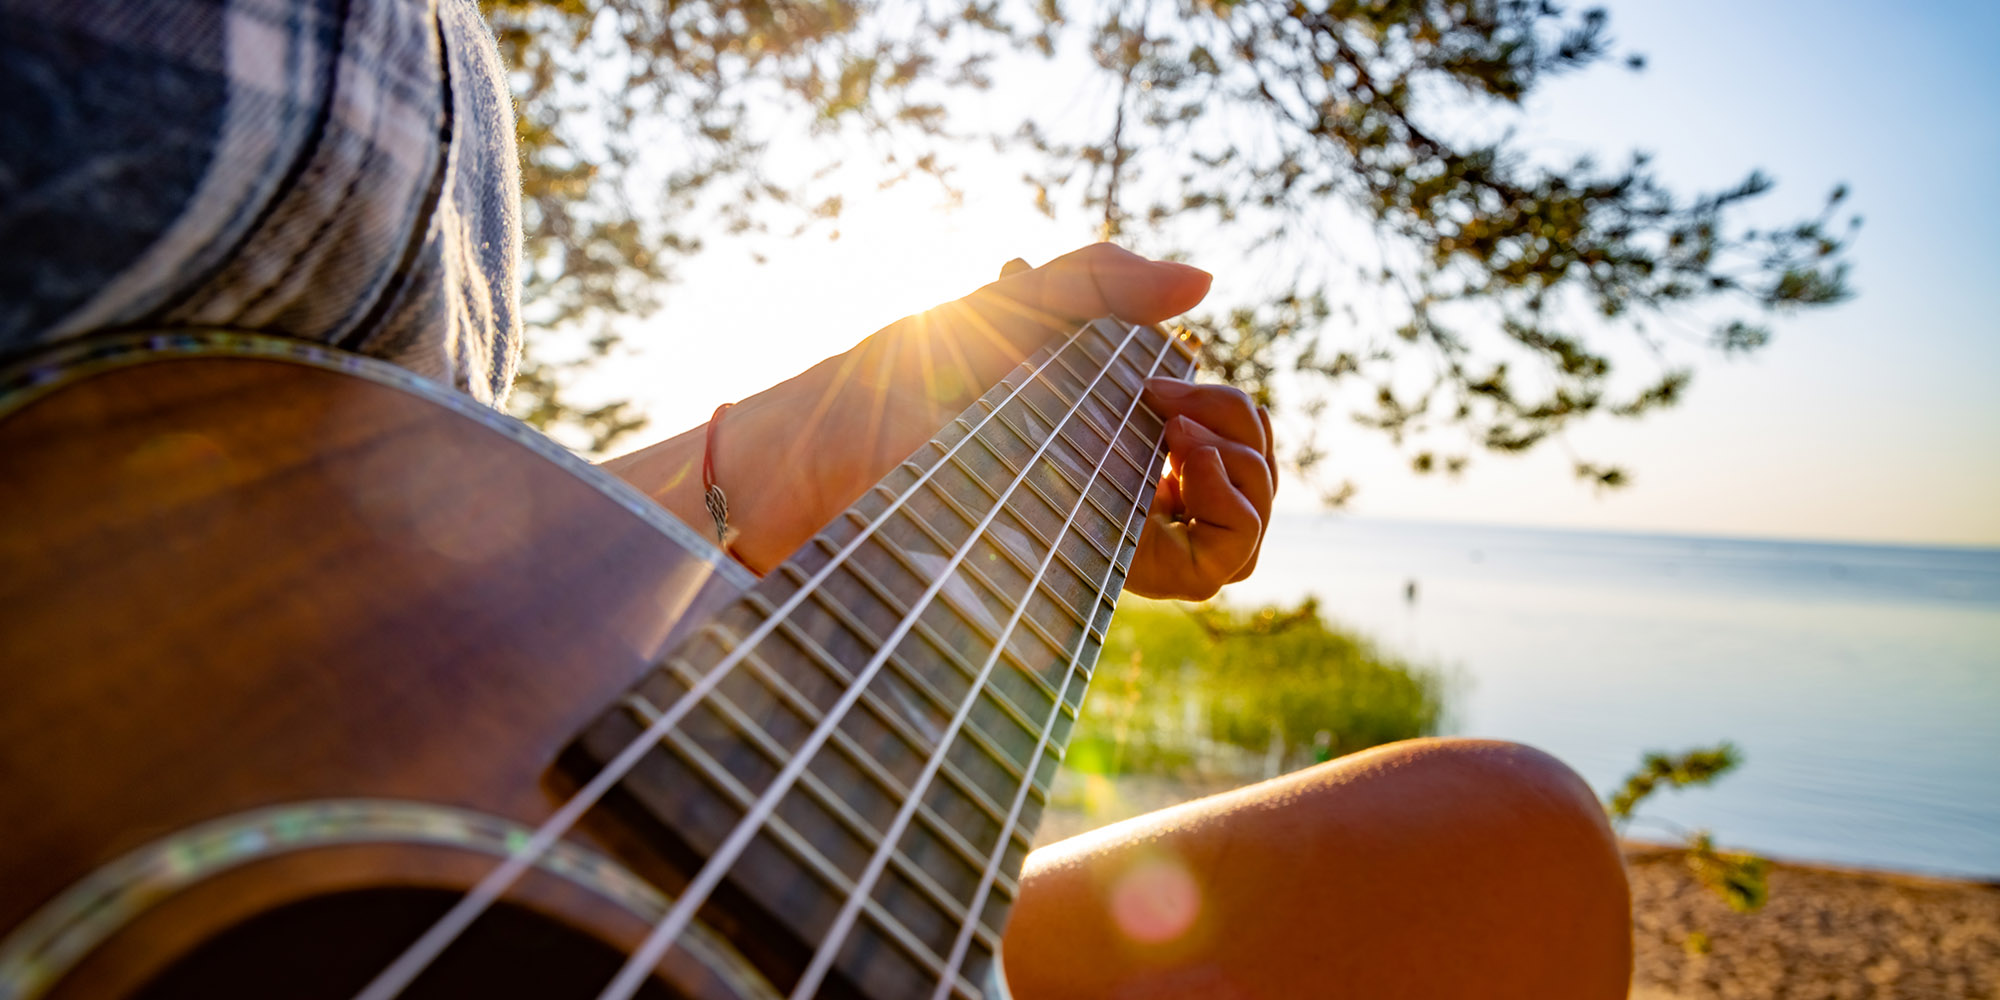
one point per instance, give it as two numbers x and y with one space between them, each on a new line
1436 868
1502 799
1532 844
1502 787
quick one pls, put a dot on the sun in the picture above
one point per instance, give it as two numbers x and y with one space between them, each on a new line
731 326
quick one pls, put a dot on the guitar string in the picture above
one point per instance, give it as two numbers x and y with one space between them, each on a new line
398 975
828 950
639 966
962 944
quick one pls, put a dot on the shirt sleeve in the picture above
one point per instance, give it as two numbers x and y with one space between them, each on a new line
340 171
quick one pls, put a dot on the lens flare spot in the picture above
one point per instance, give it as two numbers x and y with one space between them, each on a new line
1155 901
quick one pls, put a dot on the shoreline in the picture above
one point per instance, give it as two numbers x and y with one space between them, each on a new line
1639 847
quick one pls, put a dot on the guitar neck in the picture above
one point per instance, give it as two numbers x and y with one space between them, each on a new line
855 754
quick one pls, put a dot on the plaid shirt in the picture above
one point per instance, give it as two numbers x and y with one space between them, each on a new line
341 171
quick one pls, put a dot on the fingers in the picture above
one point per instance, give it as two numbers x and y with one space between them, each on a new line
1247 470
1206 527
1271 466
1223 409
1243 464
1215 533
1270 447
1219 512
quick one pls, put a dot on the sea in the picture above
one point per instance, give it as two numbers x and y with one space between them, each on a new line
1860 682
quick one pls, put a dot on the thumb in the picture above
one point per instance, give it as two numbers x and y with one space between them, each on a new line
1100 279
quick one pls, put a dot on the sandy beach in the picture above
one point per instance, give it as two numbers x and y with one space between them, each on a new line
1826 933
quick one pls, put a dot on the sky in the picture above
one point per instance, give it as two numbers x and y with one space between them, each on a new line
1878 420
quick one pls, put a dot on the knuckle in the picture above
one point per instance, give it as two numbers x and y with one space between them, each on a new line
1245 409
1099 253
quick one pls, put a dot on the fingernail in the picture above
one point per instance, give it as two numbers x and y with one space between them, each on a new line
1172 388
1015 266
1185 268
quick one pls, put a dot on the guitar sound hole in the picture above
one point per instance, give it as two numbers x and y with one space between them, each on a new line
329 947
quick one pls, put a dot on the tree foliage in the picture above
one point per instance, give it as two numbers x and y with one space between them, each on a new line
1742 880
1365 146
1690 768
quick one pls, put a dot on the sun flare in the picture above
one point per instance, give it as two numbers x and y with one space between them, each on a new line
732 327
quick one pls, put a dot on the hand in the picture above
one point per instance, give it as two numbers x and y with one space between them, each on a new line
897 387
792 457
1206 525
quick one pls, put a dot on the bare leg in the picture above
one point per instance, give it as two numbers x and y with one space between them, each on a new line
1431 868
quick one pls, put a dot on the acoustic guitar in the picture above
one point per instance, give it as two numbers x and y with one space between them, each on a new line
320 680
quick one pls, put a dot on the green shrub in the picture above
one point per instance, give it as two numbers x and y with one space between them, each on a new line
1233 692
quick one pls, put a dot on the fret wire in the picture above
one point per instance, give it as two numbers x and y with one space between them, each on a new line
1110 441
971 789
414 959
950 655
1124 358
1001 418
831 664
973 792
827 797
951 603
1032 487
979 575
863 760
1081 451
981 578
1052 546
772 751
985 743
790 694
901 728
817 863
1091 364
1063 436
1079 615
1013 557
1176 371
1090 421
937 492
992 870
828 949
1084 621
1115 485
1111 367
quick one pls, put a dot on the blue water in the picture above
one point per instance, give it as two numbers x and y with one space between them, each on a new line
1861 682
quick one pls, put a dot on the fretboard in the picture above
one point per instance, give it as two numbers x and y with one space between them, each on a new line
909 678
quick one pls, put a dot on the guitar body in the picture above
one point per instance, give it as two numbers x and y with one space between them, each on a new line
304 658
245 598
